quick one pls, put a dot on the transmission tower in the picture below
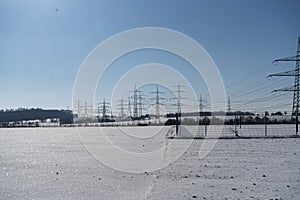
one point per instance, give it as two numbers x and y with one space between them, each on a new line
92 111
228 105
201 104
98 111
140 104
104 108
78 107
295 88
158 100
122 107
129 107
137 103
85 109
179 98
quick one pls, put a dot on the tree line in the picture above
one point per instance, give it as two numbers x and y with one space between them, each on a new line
21 114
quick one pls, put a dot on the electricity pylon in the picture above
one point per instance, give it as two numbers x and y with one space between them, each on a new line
104 107
228 105
295 88
78 106
129 107
137 103
158 100
121 106
179 98
201 104
88 109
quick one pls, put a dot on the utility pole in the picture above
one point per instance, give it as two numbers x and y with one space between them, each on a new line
295 88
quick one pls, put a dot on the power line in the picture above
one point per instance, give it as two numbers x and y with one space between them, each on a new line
253 88
247 77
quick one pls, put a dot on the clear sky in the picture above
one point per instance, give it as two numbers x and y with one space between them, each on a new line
44 42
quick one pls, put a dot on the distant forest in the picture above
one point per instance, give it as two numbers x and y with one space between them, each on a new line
171 115
20 114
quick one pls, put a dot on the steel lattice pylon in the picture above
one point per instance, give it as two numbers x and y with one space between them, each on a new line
295 88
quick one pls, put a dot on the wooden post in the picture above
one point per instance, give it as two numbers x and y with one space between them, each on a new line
235 124
177 122
266 133
297 124
240 120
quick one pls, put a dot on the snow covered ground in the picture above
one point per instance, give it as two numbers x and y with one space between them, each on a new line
53 163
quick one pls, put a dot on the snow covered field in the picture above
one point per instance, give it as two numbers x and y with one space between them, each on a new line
54 163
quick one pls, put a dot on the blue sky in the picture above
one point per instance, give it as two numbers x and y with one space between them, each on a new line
44 42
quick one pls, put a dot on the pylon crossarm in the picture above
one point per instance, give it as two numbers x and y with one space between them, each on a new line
287 73
291 58
292 89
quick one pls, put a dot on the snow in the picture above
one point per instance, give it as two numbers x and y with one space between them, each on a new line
53 163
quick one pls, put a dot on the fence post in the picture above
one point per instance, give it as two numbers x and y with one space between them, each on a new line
177 124
266 133
297 124
235 124
240 120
